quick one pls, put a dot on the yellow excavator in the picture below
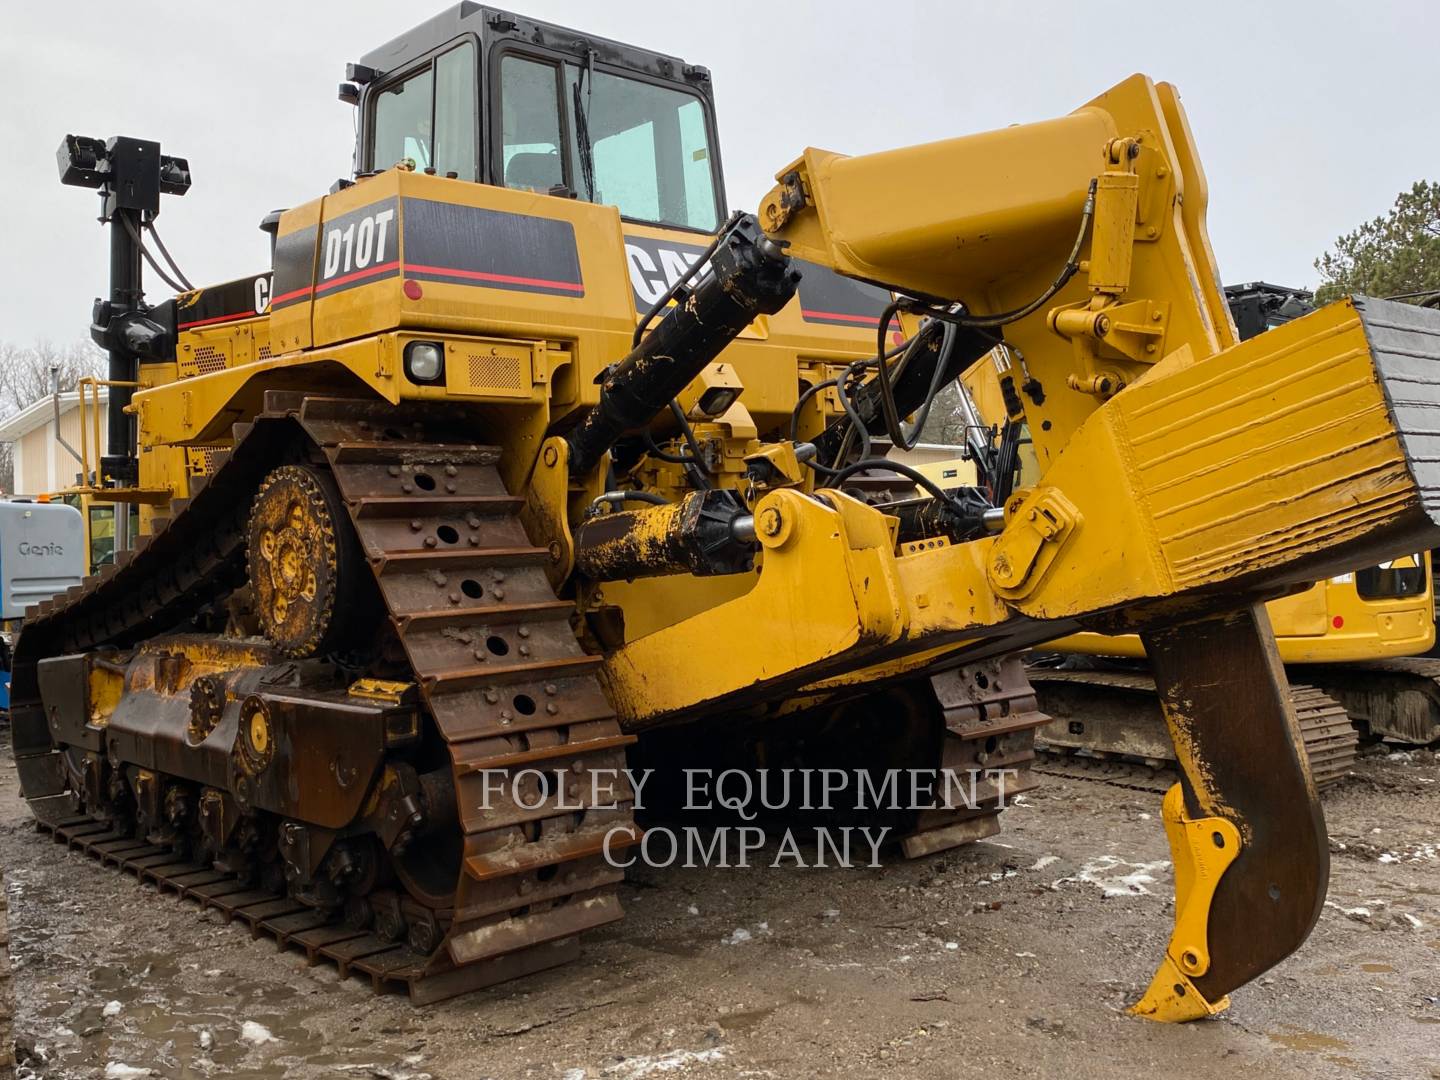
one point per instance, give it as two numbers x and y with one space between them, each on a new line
523 449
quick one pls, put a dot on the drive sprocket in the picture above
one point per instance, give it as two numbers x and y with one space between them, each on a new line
300 564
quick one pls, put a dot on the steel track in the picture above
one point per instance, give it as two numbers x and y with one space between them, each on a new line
1331 742
500 672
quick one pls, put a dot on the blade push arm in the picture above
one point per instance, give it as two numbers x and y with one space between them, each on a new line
1148 518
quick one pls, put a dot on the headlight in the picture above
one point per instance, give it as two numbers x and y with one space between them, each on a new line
717 399
424 361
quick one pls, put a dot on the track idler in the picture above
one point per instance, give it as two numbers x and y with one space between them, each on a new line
1245 828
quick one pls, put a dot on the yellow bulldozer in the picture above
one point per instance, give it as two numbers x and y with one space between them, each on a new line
523 449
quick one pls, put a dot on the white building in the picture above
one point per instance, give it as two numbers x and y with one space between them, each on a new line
41 464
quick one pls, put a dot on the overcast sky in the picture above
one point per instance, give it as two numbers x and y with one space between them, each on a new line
1310 116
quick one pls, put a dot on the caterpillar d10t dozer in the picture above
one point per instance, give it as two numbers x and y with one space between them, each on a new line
520 452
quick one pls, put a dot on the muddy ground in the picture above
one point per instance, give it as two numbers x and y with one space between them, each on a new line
1014 957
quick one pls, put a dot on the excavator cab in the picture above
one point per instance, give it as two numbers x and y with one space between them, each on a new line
478 94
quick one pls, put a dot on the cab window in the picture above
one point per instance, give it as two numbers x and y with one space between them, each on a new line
1400 577
650 148
530 125
639 146
429 117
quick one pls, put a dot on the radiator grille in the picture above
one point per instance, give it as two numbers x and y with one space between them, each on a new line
200 460
208 358
490 369
497 371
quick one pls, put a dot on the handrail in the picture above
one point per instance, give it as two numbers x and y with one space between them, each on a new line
93 383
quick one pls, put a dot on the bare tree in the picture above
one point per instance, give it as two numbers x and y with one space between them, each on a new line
25 370
26 377
945 426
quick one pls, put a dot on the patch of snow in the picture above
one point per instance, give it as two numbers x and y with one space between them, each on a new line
256 1034
117 1071
1359 914
737 936
1044 861
1115 876
646 1065
112 1008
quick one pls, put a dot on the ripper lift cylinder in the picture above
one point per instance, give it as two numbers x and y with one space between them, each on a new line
748 276
705 533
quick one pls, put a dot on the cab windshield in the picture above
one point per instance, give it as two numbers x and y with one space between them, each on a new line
635 145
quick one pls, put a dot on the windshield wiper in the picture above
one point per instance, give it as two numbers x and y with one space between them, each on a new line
582 124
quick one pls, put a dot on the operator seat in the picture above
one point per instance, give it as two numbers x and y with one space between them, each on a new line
538 172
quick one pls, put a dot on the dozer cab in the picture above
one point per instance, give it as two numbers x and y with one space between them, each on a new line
523 449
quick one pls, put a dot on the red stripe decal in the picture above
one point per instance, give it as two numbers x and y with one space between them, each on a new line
503 279
285 298
219 318
868 320
345 279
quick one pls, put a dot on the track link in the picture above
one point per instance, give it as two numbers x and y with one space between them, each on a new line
1107 726
1397 700
499 671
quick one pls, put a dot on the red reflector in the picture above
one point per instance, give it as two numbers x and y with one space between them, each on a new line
1338 621
413 290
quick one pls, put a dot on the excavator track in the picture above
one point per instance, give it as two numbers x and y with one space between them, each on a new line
479 647
1397 700
1107 726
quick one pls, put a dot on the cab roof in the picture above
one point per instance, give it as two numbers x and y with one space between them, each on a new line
493 24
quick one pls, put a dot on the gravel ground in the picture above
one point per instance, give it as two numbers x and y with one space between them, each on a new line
1014 957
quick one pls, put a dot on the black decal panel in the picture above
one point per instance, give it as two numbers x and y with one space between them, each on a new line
357 248
655 265
826 297
470 245
244 298
294 268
